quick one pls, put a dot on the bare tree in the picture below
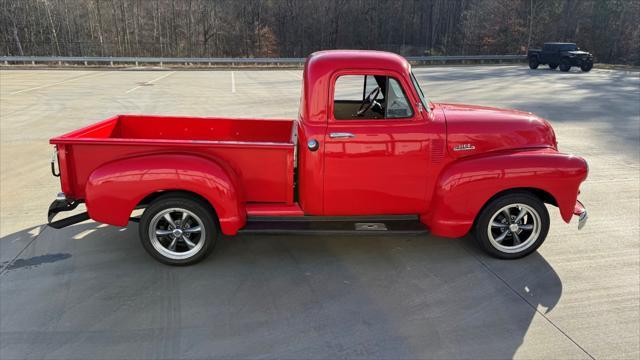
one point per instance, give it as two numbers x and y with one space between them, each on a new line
298 27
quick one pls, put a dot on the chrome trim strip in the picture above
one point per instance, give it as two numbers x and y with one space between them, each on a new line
340 135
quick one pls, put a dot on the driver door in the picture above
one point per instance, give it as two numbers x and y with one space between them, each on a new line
375 163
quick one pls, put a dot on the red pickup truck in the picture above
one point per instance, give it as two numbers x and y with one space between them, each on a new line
368 153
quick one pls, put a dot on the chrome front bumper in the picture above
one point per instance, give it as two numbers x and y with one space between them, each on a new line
581 212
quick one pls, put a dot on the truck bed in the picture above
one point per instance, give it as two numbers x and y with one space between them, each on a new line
259 151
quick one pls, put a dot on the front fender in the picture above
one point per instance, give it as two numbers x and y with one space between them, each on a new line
113 190
465 186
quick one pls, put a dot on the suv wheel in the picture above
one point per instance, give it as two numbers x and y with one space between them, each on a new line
586 66
533 63
565 65
178 230
512 226
553 66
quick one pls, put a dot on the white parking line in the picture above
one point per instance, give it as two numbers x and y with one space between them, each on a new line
149 82
298 75
233 82
58 83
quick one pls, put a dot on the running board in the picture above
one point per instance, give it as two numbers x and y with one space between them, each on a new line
389 225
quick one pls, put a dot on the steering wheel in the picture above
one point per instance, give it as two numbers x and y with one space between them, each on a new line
369 101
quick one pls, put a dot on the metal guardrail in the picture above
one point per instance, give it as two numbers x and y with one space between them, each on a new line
6 60
466 57
145 60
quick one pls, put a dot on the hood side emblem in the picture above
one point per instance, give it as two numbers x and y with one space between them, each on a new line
463 147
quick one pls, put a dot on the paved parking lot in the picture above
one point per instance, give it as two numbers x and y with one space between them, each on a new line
90 290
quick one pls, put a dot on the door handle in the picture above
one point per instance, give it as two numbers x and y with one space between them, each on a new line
340 135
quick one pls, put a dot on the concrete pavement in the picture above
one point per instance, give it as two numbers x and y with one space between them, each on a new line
91 291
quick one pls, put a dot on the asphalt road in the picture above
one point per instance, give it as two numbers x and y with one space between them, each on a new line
90 290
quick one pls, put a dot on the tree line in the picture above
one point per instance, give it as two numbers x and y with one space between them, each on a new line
295 28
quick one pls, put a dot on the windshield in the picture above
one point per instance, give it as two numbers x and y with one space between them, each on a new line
423 98
568 47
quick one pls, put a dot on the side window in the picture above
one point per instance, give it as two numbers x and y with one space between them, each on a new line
397 104
366 97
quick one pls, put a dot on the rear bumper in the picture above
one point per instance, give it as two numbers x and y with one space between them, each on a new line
60 204
581 212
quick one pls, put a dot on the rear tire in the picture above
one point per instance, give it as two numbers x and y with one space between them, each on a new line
533 63
519 235
178 229
565 65
553 66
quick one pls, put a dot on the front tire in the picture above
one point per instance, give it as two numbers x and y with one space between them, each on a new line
512 226
178 229
533 63
586 66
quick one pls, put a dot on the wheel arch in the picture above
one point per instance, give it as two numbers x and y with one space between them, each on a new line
116 189
544 196
541 194
466 186
149 199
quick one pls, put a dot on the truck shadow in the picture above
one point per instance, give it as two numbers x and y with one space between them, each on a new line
285 296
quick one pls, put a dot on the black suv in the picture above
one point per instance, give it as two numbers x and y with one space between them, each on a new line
565 55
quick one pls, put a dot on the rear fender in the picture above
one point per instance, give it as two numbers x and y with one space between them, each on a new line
465 186
113 190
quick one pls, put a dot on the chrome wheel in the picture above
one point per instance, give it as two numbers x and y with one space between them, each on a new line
514 228
177 233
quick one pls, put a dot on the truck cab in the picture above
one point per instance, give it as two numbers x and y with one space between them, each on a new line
373 133
368 153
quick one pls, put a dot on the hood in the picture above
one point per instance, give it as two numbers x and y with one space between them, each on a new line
578 53
474 130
